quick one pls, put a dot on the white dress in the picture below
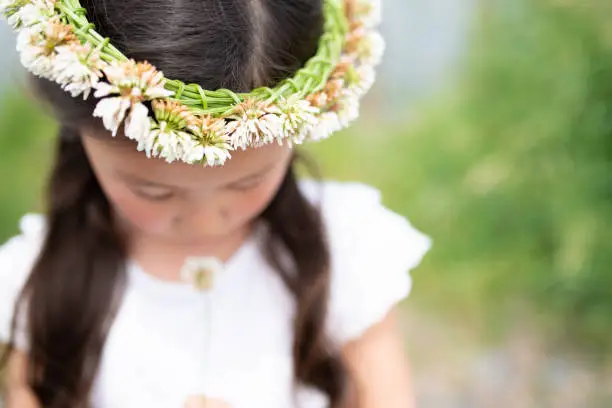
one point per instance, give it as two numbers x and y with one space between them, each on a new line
233 343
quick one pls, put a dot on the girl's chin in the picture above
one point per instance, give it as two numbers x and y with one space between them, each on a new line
182 240
203 240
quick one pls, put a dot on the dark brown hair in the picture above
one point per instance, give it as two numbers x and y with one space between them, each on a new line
77 283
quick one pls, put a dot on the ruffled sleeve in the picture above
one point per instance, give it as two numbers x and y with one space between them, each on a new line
372 250
17 257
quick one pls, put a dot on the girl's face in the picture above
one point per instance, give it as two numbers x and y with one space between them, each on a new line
181 203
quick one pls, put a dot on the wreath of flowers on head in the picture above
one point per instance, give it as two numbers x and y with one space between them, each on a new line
183 121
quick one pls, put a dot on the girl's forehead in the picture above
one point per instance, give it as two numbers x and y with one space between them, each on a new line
124 161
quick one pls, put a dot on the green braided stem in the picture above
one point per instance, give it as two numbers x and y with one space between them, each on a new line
307 80
75 15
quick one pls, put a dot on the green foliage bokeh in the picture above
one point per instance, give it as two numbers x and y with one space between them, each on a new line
511 174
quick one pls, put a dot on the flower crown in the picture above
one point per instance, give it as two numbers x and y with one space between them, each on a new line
187 123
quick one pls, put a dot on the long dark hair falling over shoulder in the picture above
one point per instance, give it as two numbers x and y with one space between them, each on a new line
77 283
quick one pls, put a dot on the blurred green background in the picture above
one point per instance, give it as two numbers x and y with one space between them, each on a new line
509 168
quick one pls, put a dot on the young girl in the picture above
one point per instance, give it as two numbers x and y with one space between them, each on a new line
180 263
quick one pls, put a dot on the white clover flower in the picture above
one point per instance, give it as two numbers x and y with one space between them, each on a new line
6 5
170 144
217 156
137 123
348 108
213 140
210 129
253 124
25 37
327 125
112 110
298 138
196 152
369 12
148 142
167 137
366 77
318 99
177 145
35 12
177 134
192 152
38 46
134 82
26 13
297 115
142 77
371 49
200 271
33 54
77 68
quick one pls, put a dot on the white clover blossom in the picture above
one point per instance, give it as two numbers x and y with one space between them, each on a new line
172 145
371 48
297 115
204 142
35 12
348 108
33 53
187 149
112 110
6 5
141 77
210 129
77 68
366 76
217 156
200 272
369 12
147 144
254 123
318 99
192 152
166 136
134 83
38 46
195 152
327 125
300 137
26 13
213 140
138 122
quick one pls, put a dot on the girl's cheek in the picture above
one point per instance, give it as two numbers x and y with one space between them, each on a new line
256 201
146 217
246 210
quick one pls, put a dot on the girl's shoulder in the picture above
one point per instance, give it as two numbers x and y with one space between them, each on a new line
372 250
17 257
355 218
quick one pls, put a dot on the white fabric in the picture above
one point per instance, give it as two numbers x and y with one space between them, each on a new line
17 257
233 343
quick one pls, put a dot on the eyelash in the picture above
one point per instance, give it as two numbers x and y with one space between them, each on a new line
152 197
167 196
245 187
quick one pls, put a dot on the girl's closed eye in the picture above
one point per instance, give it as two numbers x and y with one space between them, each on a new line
245 185
152 193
